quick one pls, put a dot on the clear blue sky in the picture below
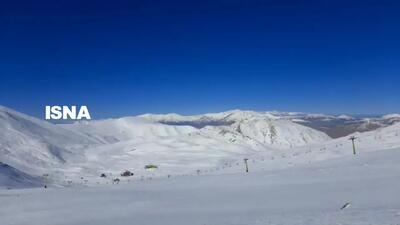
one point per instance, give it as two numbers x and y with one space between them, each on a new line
130 57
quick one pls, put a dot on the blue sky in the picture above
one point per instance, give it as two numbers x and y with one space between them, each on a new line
130 57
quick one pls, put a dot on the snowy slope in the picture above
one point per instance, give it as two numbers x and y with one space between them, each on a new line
126 128
13 178
378 140
34 146
180 155
311 195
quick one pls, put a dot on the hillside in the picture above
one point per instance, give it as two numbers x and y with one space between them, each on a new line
34 145
76 154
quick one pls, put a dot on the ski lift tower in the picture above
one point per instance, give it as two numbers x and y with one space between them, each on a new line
247 167
352 138
45 178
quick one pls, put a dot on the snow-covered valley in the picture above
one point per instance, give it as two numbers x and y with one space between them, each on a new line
191 170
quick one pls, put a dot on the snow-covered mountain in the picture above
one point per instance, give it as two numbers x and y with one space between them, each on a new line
340 125
176 144
333 125
38 147
316 184
33 145
261 128
179 144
